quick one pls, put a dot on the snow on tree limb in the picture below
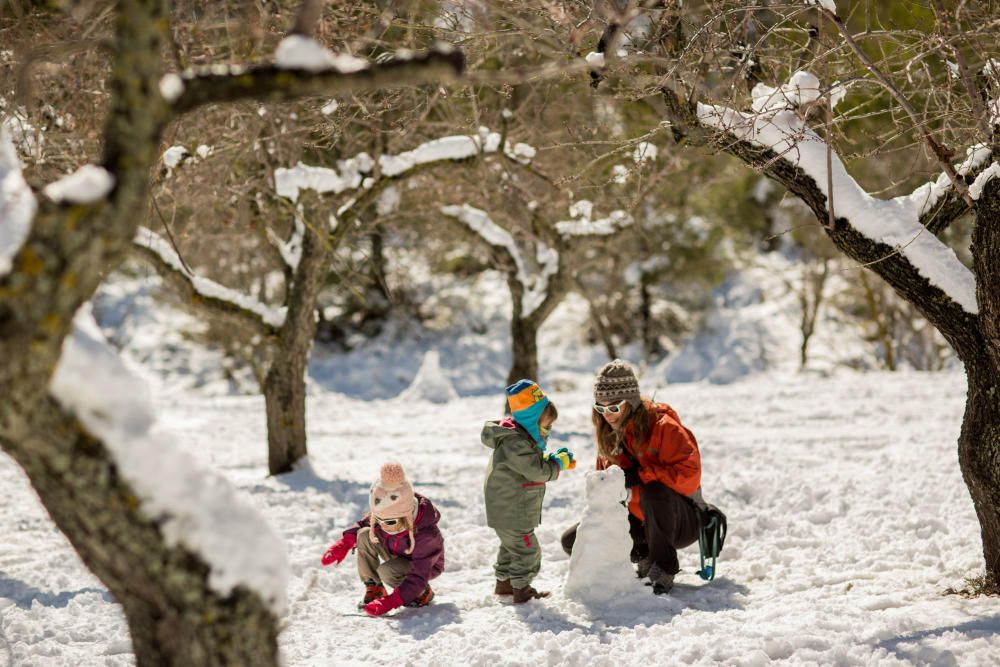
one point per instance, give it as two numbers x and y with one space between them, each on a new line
895 222
221 295
17 204
193 507
301 72
350 174
535 286
291 252
87 185
582 223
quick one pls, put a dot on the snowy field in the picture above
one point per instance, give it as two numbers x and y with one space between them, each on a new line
848 521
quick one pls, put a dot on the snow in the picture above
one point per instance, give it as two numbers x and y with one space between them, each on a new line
197 509
831 558
523 153
87 185
291 252
894 222
17 204
753 326
299 52
173 156
458 147
388 201
984 177
430 385
274 317
26 137
825 4
171 87
582 224
644 152
289 182
599 569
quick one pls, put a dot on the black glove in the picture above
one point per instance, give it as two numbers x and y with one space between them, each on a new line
632 477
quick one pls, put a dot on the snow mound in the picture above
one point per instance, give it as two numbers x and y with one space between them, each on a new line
430 384
599 569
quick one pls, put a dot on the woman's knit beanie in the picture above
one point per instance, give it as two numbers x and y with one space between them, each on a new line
615 382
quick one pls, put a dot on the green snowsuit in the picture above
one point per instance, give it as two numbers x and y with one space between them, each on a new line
514 489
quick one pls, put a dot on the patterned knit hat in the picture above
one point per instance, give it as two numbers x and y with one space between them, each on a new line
615 382
391 497
527 403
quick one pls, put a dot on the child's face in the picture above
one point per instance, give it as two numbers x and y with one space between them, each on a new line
545 426
391 525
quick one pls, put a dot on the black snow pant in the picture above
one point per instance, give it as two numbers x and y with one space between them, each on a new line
671 524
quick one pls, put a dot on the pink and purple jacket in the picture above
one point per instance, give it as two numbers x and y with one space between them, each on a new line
428 548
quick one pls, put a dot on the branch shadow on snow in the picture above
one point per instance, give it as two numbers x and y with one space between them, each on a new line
908 648
23 595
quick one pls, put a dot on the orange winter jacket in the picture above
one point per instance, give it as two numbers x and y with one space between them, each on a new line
669 455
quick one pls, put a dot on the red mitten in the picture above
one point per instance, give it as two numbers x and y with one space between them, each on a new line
339 550
384 604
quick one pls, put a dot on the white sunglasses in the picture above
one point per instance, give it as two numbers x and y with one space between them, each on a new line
613 409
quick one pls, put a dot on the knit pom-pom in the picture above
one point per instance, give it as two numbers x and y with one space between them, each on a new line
392 474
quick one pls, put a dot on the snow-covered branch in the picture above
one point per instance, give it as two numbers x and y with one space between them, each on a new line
290 251
305 68
205 291
895 223
536 285
17 204
583 223
193 508
354 172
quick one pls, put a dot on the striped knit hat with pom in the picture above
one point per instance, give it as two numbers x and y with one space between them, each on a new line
615 382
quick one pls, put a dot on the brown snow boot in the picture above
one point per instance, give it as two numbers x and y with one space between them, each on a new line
503 587
661 581
522 595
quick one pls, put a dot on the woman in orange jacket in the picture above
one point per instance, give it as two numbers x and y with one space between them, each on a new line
662 471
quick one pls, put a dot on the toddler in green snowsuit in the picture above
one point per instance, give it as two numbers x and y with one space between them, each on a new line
515 485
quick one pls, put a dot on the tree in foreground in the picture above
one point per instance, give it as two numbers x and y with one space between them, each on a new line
200 577
925 87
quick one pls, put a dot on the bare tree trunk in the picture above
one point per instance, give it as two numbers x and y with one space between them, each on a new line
811 299
524 349
878 317
650 342
285 384
979 459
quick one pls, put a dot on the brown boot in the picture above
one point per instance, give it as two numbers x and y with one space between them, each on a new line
522 595
503 587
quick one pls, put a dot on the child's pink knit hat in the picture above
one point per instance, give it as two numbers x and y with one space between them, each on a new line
391 496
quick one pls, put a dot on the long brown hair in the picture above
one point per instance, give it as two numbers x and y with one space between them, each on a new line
609 441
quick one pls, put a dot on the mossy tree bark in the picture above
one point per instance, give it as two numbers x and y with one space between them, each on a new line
174 615
975 337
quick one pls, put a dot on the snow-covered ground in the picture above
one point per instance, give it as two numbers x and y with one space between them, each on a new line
848 516
848 520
